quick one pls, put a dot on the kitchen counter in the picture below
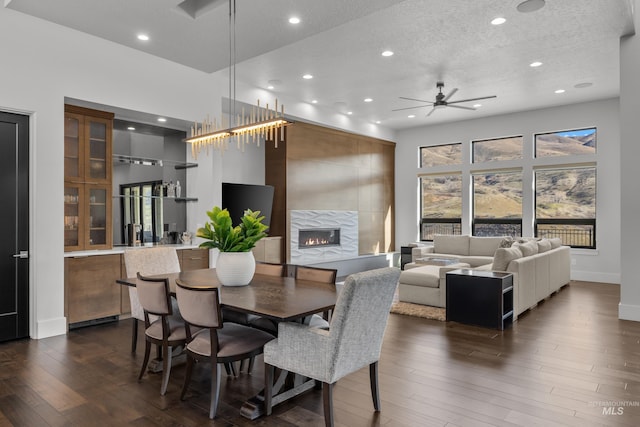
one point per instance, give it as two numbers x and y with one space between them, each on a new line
120 250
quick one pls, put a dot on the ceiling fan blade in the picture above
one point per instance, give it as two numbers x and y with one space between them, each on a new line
411 108
431 112
454 90
460 106
472 99
413 99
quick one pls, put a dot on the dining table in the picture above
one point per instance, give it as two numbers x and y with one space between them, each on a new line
282 299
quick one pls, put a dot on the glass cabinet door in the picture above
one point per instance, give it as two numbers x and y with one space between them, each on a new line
98 131
72 216
99 206
73 147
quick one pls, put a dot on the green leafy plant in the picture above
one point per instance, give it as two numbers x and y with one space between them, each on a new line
220 232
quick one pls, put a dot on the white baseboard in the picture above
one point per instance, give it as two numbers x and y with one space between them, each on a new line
629 312
50 328
591 276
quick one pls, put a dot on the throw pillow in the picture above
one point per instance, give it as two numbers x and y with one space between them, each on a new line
556 242
504 256
544 245
529 248
506 242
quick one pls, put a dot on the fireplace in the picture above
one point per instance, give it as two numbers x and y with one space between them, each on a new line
319 236
314 237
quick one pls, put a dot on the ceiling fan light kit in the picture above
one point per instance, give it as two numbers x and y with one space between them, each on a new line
528 6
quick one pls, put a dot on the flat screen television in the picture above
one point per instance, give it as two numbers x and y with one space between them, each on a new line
237 198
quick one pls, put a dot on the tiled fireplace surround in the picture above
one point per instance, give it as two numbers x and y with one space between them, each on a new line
345 224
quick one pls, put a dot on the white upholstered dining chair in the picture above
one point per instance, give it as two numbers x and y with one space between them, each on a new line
148 262
352 342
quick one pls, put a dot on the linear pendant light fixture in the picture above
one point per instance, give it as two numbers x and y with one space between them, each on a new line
252 126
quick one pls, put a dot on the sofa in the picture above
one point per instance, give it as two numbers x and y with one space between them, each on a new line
540 267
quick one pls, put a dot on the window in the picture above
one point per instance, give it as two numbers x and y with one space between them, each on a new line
572 142
497 204
490 150
441 205
566 205
448 154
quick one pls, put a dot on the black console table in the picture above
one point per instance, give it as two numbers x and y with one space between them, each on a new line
482 298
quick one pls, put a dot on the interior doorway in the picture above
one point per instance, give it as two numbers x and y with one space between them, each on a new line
14 217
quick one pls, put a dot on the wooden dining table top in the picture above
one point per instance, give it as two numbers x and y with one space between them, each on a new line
278 298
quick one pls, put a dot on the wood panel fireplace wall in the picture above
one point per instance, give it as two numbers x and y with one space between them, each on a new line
318 168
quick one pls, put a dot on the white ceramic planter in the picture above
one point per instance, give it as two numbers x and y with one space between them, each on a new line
235 268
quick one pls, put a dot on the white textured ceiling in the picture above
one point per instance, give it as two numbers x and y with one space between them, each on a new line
340 42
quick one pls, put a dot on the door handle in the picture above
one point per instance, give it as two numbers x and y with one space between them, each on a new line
22 254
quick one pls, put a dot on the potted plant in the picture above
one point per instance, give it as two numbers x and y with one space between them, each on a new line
235 265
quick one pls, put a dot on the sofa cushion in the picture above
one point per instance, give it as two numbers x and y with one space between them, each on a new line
556 242
427 276
544 245
504 256
529 248
476 261
484 246
455 245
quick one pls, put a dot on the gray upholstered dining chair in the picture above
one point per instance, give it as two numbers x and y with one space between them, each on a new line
353 341
166 331
148 262
217 343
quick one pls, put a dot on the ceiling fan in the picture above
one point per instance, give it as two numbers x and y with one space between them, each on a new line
443 101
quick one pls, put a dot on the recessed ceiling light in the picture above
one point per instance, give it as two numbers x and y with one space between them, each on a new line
387 53
378 122
477 105
583 85
162 119
349 112
307 76
535 64
143 37
131 128
270 87
411 116
559 91
530 6
498 21
294 20
315 101
368 100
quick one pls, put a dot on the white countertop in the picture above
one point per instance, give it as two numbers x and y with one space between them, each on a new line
121 249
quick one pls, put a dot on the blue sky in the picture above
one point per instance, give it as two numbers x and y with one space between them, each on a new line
581 132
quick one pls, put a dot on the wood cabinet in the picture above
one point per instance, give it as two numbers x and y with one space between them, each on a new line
87 179
193 259
269 250
91 291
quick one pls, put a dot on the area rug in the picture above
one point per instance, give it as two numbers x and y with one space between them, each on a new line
418 310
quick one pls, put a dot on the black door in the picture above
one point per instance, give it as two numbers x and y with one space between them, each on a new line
14 223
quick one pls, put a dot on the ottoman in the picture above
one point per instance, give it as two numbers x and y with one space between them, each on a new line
426 284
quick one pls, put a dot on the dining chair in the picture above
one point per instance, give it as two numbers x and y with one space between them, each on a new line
149 262
166 331
217 343
353 342
230 315
317 274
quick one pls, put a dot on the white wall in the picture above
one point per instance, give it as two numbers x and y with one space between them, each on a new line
630 154
603 264
42 63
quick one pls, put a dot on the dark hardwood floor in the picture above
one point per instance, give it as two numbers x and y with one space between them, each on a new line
567 362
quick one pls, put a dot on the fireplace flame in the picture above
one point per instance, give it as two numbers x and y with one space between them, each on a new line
316 241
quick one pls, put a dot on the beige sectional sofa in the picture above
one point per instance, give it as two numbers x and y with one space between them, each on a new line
540 267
